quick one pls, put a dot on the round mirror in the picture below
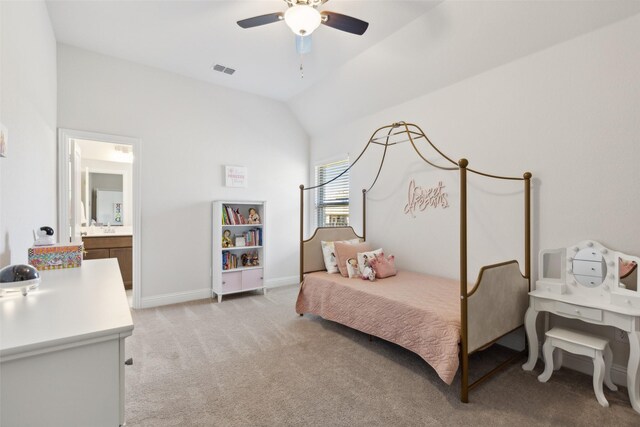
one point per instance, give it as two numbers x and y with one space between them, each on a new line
589 267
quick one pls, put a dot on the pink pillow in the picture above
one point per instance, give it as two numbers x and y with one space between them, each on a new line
384 267
344 251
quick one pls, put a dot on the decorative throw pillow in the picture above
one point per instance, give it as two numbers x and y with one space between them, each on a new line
352 268
344 251
384 267
328 253
365 257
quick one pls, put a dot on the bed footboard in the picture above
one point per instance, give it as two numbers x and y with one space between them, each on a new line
496 305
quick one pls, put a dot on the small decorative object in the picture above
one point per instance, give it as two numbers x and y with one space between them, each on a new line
4 141
240 241
235 176
369 274
117 213
254 218
226 239
250 259
55 257
44 237
19 277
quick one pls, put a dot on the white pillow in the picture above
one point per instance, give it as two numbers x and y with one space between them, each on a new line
329 254
364 257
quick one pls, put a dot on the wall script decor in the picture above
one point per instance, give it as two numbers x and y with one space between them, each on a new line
421 198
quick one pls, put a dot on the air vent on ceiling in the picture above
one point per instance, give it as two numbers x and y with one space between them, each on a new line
223 69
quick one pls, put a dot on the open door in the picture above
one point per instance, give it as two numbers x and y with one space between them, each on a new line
70 206
75 196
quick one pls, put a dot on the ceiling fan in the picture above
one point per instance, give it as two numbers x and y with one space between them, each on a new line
303 17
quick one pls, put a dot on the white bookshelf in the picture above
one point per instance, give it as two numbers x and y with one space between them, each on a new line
230 273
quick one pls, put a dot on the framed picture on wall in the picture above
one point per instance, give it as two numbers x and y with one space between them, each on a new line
235 176
3 140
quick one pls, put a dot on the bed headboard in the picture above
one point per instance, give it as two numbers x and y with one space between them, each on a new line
311 258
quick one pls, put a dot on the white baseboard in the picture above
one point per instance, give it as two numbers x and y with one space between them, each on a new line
281 281
175 297
585 365
178 297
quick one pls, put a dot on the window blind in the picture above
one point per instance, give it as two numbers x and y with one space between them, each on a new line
332 200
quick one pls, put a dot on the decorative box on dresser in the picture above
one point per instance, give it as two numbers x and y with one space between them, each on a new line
238 247
116 246
62 353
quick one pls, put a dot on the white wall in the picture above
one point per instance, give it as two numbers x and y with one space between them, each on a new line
189 130
569 114
28 110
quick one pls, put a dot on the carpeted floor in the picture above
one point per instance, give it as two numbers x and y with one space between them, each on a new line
252 361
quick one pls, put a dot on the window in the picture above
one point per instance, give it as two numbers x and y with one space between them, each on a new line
332 200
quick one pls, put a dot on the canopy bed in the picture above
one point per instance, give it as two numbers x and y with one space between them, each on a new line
442 320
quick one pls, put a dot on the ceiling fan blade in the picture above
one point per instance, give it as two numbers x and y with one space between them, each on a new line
256 21
344 23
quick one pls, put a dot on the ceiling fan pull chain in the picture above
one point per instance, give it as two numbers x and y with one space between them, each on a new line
301 66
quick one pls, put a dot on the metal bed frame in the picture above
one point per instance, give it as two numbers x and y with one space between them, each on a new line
390 135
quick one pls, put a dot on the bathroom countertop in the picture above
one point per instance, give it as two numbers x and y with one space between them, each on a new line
103 234
99 231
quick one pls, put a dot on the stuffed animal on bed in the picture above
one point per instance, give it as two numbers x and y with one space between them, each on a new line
368 274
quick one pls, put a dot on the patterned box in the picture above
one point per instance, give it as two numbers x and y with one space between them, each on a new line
55 257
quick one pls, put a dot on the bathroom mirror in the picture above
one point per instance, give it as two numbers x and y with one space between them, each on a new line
589 267
628 274
103 198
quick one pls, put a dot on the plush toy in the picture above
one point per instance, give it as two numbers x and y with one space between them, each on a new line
368 274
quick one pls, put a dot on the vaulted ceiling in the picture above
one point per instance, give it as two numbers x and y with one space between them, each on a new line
410 48
188 37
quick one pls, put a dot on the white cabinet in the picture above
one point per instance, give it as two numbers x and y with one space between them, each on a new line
62 351
238 247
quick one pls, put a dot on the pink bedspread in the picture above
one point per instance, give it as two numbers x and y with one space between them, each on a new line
418 312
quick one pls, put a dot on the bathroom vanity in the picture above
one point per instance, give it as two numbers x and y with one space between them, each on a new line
99 246
594 284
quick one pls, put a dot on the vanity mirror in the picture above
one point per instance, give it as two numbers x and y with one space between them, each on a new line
628 273
588 267
590 270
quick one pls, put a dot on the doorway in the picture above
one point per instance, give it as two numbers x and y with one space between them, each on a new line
99 199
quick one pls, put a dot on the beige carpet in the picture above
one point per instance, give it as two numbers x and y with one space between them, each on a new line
251 361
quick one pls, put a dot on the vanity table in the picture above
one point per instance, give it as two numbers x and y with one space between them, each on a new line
594 284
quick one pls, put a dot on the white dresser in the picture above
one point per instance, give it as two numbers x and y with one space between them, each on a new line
62 349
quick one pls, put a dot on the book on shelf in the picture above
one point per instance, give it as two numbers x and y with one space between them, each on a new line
229 260
252 237
231 216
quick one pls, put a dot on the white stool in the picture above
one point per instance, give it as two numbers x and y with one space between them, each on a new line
579 343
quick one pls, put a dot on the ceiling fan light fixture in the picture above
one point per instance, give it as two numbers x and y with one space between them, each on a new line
302 19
